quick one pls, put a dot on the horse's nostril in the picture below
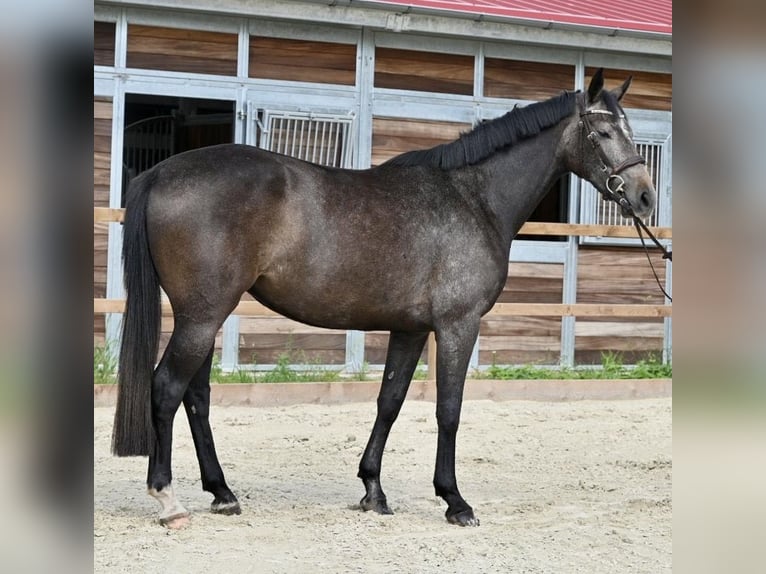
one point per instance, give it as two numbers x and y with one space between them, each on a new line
646 199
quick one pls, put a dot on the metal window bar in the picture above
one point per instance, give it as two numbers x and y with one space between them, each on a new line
147 142
326 139
596 210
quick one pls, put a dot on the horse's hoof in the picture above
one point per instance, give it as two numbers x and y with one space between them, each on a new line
176 521
226 508
379 505
464 518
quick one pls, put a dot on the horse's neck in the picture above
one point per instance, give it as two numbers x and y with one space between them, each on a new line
516 180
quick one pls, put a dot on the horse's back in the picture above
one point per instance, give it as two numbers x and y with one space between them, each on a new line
337 248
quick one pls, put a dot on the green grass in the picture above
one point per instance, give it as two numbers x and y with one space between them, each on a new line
283 372
611 368
421 372
105 371
104 366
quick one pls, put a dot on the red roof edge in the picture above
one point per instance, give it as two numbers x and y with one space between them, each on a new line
654 17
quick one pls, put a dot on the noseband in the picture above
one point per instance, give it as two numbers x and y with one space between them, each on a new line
617 194
615 185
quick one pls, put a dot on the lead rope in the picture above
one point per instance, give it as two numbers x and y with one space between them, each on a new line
665 253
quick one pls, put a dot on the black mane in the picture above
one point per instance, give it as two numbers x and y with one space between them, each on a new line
487 138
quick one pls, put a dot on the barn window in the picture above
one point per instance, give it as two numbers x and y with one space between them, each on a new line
157 127
326 139
595 210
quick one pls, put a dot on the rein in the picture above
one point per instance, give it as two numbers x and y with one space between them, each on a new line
618 195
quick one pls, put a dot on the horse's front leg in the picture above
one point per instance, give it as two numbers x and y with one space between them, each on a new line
197 406
401 360
454 345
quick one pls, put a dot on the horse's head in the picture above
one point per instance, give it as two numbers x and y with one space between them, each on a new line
601 150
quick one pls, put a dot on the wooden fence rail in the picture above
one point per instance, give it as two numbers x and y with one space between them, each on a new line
109 214
255 309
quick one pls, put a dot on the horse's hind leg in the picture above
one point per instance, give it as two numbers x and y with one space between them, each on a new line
186 352
197 405
402 358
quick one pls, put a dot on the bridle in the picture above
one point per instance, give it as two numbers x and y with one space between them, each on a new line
613 171
615 187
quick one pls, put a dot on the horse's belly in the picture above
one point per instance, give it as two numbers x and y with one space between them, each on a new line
344 305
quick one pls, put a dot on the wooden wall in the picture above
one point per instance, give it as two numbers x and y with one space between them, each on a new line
264 340
618 275
302 60
648 90
526 80
522 340
180 50
393 136
102 159
103 43
423 71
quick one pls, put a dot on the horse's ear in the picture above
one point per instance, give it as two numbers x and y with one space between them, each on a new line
619 92
596 85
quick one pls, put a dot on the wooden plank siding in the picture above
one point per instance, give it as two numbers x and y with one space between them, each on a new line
263 340
521 80
393 136
511 339
618 275
103 43
376 345
102 157
302 61
648 90
181 50
423 71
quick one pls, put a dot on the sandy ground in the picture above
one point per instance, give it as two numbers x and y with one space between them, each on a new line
558 487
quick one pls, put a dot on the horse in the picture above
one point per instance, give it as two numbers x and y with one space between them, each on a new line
418 244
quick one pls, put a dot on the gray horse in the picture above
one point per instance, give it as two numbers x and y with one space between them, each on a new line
416 245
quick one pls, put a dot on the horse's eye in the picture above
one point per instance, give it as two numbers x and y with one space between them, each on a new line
604 134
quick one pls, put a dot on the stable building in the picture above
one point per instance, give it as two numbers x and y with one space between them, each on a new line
353 83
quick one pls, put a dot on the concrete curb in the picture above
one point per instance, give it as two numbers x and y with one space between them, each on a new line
283 394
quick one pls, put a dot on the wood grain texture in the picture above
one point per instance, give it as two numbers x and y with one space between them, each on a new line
648 90
103 43
181 50
376 345
302 61
423 71
394 136
521 80
102 159
618 275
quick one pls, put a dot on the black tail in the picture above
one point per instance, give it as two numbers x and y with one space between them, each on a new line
133 434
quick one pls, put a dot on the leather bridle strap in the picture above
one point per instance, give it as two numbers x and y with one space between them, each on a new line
606 163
